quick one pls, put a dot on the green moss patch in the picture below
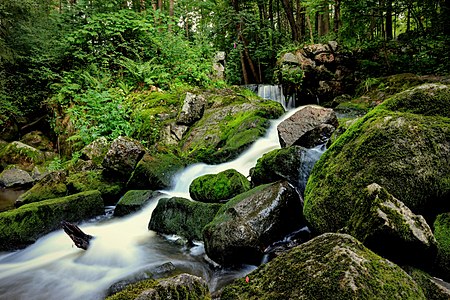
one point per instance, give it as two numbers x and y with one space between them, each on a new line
132 201
442 235
24 225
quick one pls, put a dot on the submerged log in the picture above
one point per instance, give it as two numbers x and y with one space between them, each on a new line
80 238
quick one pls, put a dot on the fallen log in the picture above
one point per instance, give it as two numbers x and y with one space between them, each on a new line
80 238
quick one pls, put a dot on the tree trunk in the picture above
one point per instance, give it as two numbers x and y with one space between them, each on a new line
388 20
290 16
337 16
160 5
80 238
244 71
171 7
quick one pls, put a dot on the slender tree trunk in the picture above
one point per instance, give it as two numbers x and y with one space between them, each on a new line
388 20
290 16
244 71
337 16
171 7
160 5
300 20
311 35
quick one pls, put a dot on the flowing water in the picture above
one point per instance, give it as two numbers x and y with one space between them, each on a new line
53 268
273 92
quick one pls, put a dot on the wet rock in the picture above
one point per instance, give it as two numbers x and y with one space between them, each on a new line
155 172
183 286
23 226
385 225
22 155
15 178
96 150
307 127
182 217
433 288
330 266
442 234
406 153
251 221
122 157
213 188
192 110
133 201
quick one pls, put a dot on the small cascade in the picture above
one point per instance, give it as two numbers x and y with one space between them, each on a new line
273 92
309 158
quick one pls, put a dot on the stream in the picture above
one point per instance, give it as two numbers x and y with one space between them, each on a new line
53 268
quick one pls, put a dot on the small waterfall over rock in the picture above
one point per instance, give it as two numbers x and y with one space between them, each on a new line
273 92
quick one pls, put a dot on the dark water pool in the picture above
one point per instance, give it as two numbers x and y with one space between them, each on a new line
8 196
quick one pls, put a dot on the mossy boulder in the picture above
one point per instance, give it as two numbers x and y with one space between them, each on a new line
442 235
180 287
251 221
132 201
37 140
22 155
96 150
84 181
192 109
226 131
432 287
385 225
406 153
123 155
51 186
24 225
217 187
182 217
155 171
330 266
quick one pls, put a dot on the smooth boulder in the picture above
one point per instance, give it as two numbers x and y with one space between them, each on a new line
132 201
192 109
330 266
15 177
182 217
251 221
308 127
214 188
442 233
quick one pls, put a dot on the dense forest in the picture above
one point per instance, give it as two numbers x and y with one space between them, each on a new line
60 53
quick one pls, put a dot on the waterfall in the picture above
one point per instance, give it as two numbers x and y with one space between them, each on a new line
273 92
52 268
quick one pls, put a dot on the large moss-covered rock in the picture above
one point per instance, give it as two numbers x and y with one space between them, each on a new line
37 140
405 153
442 234
132 201
331 266
181 287
217 187
251 221
432 287
96 150
155 171
226 130
24 225
22 155
123 155
192 109
388 227
182 217
51 186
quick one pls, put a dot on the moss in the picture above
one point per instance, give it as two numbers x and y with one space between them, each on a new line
21 154
51 186
442 235
182 217
331 266
217 187
24 225
94 180
134 290
430 286
132 201
405 153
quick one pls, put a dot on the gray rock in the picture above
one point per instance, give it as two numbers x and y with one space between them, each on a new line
192 110
96 150
305 124
315 49
385 225
122 157
289 58
250 222
333 45
15 177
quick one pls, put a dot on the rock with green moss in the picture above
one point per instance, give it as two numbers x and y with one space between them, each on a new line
330 266
432 287
132 201
404 152
96 150
24 225
182 217
226 131
192 109
293 164
442 235
386 226
84 181
251 221
155 171
310 126
218 187
122 157
22 155
51 186
180 287
37 140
